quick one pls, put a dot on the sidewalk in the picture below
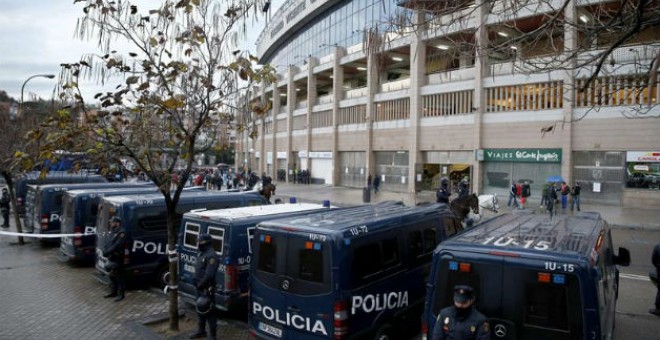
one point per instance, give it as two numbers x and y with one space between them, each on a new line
616 216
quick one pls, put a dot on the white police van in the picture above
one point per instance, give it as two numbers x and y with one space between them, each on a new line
232 231
533 277
349 273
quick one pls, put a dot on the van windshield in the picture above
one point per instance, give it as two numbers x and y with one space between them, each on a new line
296 257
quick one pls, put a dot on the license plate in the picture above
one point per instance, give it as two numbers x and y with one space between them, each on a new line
100 262
270 329
189 268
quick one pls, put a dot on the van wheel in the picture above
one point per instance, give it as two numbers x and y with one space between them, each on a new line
385 332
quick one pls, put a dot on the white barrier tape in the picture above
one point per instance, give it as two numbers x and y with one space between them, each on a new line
173 258
172 252
11 233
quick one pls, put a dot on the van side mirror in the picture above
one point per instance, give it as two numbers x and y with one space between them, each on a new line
623 259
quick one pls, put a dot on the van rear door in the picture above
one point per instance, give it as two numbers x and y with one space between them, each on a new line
291 295
524 298
483 273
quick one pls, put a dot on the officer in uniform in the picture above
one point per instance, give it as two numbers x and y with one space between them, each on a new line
205 270
442 195
114 252
461 321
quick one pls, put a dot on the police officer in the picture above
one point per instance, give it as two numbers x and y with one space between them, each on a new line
4 207
205 270
461 321
114 252
655 259
442 195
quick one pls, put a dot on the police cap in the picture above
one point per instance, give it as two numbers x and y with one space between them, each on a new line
463 294
115 219
204 239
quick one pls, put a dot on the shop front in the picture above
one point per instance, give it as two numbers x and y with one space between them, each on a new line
501 167
453 165
642 179
321 165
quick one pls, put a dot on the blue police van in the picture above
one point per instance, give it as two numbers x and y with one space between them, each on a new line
35 178
79 213
44 208
350 273
232 231
533 277
144 217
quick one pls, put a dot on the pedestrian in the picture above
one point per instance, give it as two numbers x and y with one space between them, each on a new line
526 191
376 183
115 252
462 320
544 195
551 198
4 208
205 271
442 195
575 193
513 192
655 259
369 182
564 195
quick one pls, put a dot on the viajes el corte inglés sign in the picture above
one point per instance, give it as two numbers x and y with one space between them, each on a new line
523 155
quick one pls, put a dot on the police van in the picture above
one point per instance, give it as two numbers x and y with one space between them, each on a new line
44 208
533 277
35 178
144 217
232 231
350 273
79 213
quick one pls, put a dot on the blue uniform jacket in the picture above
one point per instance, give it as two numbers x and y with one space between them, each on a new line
207 266
473 327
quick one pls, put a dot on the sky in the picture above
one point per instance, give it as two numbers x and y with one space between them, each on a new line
36 36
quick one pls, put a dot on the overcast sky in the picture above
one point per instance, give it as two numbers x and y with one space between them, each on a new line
36 36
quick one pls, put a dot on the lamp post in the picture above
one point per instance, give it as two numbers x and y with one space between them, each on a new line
49 76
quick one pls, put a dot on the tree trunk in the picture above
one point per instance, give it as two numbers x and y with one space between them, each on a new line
173 294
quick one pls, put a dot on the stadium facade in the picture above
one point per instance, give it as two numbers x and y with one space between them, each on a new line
413 91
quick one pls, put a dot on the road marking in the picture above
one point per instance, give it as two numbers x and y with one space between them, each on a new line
635 277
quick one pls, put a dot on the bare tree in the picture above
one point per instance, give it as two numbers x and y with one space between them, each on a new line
181 81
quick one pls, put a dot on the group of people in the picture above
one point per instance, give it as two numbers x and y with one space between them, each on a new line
205 272
519 191
443 193
373 183
549 196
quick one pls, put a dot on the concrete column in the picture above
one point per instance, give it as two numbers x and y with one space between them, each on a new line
481 71
373 70
276 111
311 100
570 45
290 105
262 131
417 80
337 96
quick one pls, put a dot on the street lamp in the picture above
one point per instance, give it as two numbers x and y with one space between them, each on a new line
49 76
